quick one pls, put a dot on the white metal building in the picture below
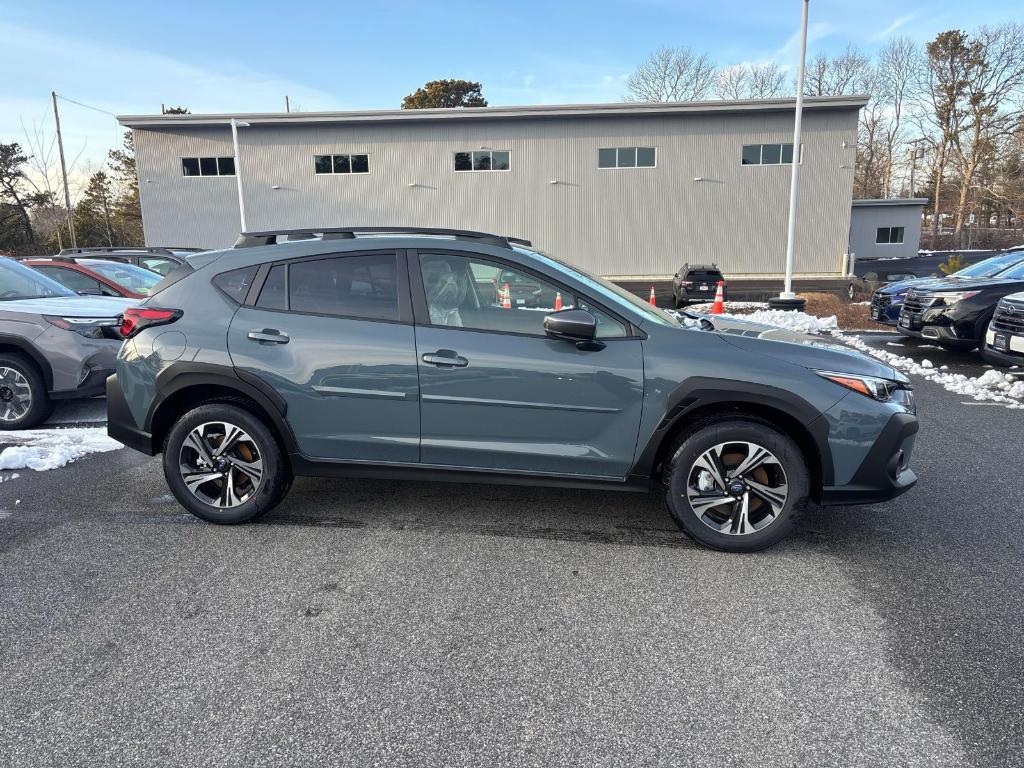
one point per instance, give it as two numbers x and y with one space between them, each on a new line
619 189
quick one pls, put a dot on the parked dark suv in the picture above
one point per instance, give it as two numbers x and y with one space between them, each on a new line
387 356
696 283
955 313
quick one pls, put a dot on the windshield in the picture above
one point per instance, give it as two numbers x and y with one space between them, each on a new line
990 267
1014 273
609 290
135 279
20 282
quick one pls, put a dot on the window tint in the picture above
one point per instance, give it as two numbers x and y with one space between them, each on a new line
626 157
161 266
236 283
76 281
767 154
352 286
208 166
465 292
273 294
889 235
341 163
483 160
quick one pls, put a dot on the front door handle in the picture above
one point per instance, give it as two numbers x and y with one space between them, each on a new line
268 336
445 358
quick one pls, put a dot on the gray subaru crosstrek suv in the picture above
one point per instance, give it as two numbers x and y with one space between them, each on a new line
54 344
400 354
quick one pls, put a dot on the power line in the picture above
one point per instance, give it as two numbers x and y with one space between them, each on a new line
87 106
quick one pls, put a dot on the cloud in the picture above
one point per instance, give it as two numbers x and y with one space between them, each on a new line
124 80
901 21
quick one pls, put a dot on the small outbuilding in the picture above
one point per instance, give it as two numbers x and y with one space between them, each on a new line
886 228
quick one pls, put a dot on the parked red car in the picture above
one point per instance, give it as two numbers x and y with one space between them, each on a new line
98 277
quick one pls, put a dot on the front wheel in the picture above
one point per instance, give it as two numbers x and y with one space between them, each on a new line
737 484
23 400
223 464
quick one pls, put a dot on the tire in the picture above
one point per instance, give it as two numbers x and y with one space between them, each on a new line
24 402
724 527
254 452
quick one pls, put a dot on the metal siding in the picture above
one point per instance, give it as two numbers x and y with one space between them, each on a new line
867 219
613 222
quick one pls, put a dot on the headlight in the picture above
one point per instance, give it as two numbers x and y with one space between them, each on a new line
949 299
90 327
874 387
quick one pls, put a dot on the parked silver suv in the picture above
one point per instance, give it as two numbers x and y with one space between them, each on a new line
54 344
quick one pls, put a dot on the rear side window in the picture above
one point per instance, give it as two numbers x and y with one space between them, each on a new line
236 283
273 294
351 286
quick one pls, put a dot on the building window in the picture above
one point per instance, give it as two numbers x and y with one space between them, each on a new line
207 166
341 163
626 157
889 235
767 154
483 160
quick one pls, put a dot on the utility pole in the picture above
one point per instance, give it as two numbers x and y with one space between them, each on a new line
287 105
787 299
915 153
235 125
64 172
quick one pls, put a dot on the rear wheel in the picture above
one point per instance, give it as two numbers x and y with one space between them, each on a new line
223 464
23 399
737 484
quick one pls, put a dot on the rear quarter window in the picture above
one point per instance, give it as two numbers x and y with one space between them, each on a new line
236 283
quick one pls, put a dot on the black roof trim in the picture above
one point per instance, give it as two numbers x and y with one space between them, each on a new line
270 237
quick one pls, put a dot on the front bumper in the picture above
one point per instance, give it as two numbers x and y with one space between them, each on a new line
885 472
80 365
120 424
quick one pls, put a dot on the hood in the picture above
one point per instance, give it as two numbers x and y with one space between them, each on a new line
970 284
902 286
813 352
70 306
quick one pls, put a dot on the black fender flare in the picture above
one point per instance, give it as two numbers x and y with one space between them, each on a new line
179 376
698 392
29 349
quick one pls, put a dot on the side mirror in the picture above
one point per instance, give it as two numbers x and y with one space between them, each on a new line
576 325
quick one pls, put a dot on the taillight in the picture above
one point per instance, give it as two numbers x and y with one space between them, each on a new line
136 319
686 283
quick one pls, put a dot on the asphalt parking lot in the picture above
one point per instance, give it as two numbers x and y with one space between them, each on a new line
370 623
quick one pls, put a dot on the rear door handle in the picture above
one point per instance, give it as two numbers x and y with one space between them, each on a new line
268 336
445 358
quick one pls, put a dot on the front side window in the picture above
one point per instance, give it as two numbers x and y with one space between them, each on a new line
337 164
207 166
483 160
75 280
889 235
474 293
626 157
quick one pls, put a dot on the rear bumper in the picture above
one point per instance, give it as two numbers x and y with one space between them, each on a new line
120 424
885 472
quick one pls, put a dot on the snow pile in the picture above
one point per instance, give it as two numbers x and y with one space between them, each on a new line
780 318
42 449
729 305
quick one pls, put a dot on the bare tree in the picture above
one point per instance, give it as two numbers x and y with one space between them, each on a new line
899 63
847 74
992 108
672 74
751 81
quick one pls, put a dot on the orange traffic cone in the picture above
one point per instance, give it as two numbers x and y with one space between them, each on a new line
558 301
506 297
719 306
652 300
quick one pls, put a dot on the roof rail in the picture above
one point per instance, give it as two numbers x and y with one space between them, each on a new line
270 237
127 249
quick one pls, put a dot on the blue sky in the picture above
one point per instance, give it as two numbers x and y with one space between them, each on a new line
128 57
